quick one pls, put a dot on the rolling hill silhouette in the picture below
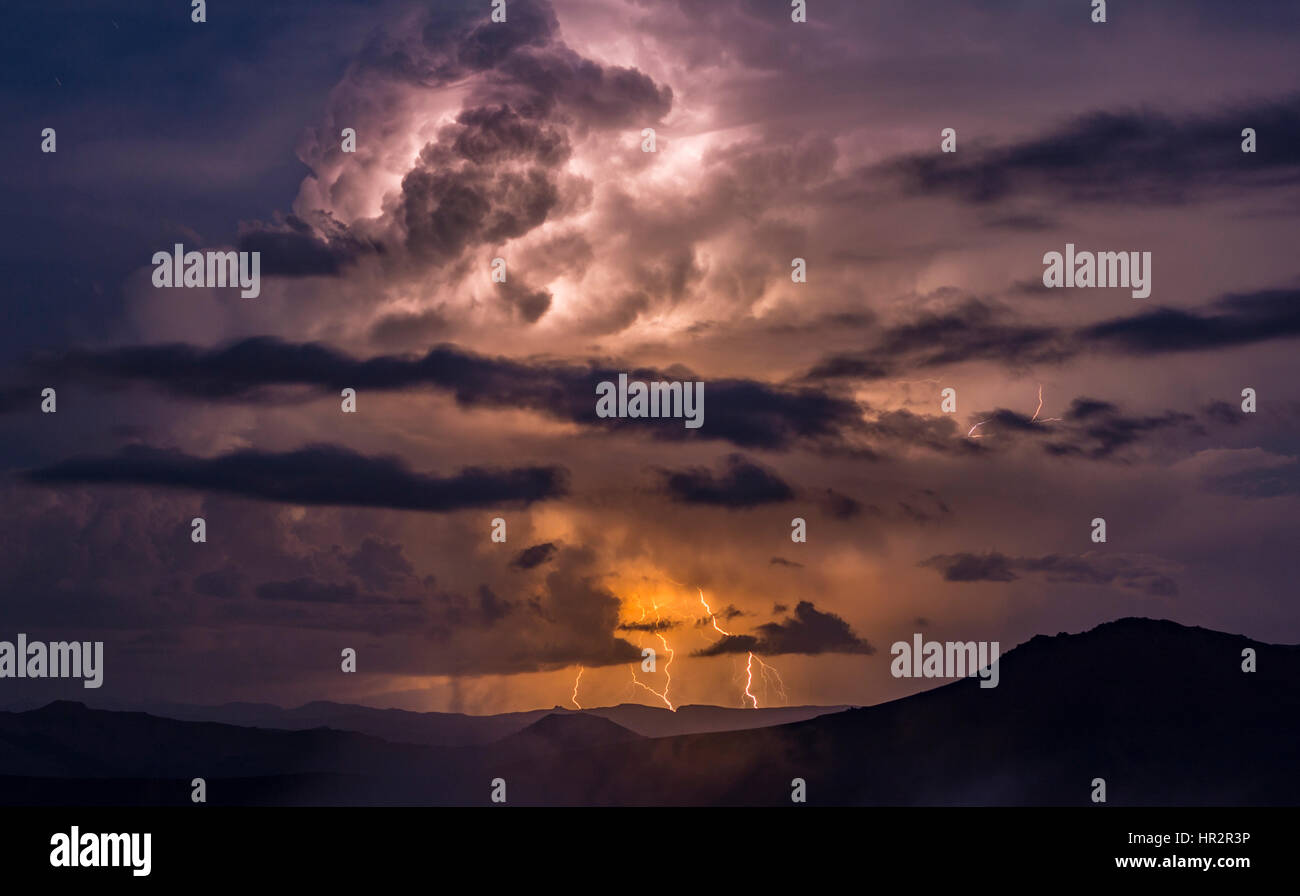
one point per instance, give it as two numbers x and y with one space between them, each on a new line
565 732
456 729
1163 712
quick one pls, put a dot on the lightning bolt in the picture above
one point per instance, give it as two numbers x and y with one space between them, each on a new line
574 698
749 680
767 672
662 695
971 434
712 618
1040 408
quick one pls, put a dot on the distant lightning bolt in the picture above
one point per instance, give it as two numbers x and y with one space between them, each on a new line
971 434
766 671
769 671
1040 407
662 695
668 673
767 674
712 618
749 680
574 698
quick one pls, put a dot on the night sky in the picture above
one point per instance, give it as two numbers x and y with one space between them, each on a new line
475 399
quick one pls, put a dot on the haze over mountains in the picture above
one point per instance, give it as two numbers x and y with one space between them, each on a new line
1163 712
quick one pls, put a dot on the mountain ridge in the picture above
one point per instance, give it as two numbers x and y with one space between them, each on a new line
1162 712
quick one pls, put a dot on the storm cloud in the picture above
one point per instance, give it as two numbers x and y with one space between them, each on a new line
742 483
807 631
316 474
1123 157
1130 573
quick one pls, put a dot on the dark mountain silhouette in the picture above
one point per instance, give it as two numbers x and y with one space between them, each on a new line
560 732
69 739
1163 712
398 725
656 721
456 729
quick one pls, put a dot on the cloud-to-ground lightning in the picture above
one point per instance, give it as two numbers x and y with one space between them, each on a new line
668 683
767 674
574 698
766 670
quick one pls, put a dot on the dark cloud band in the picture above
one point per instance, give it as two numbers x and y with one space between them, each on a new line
316 474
